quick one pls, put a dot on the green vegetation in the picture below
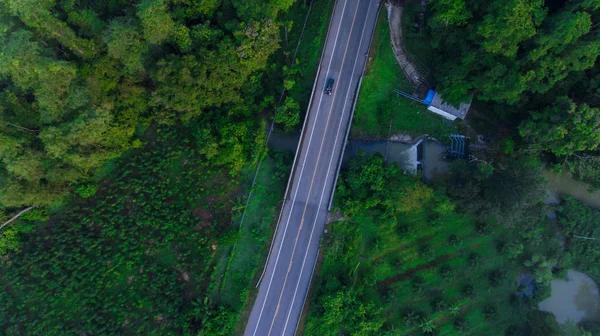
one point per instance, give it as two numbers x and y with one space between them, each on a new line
579 224
510 50
299 74
534 64
150 253
378 107
133 128
257 227
78 78
408 260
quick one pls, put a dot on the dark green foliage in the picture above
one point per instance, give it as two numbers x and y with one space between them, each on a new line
496 277
490 312
579 222
505 49
424 282
447 273
150 250
507 195
534 62
467 290
564 128
542 323
288 114
141 256
77 78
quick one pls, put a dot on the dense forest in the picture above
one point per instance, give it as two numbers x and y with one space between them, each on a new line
532 66
78 77
129 132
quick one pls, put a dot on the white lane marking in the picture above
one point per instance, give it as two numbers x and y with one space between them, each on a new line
301 171
314 174
329 167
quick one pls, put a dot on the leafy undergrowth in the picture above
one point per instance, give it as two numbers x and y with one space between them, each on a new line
405 262
253 241
378 105
138 257
579 223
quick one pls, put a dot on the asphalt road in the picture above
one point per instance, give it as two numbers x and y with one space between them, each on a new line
293 255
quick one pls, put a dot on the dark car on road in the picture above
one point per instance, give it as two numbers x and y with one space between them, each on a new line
329 86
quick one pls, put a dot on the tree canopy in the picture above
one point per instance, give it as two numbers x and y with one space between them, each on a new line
505 49
78 78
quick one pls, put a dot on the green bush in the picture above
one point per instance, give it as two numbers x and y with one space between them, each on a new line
87 190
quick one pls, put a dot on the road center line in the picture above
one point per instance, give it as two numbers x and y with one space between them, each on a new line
316 168
301 171
329 167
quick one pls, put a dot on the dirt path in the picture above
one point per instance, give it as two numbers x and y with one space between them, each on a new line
394 11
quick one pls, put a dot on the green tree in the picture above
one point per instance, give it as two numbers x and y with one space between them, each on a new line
157 24
38 14
125 44
507 24
288 114
564 128
450 13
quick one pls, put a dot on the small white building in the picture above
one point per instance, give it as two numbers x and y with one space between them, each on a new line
436 104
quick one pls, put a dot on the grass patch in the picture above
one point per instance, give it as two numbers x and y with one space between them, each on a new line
379 110
253 237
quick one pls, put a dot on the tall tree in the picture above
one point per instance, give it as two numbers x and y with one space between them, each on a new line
563 128
125 44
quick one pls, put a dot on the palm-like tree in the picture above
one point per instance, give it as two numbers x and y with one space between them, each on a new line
427 325
454 309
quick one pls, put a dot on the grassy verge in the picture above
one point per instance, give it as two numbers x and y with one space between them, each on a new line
311 46
379 110
254 236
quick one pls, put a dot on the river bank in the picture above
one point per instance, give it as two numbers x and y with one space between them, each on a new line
425 154
575 299
421 153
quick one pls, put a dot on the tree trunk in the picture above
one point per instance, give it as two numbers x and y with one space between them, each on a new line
582 237
16 216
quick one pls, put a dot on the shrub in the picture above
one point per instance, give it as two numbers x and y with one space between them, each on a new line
438 304
496 278
462 325
512 250
447 273
411 317
36 214
490 312
468 291
87 190
455 241
475 260
427 326
418 284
